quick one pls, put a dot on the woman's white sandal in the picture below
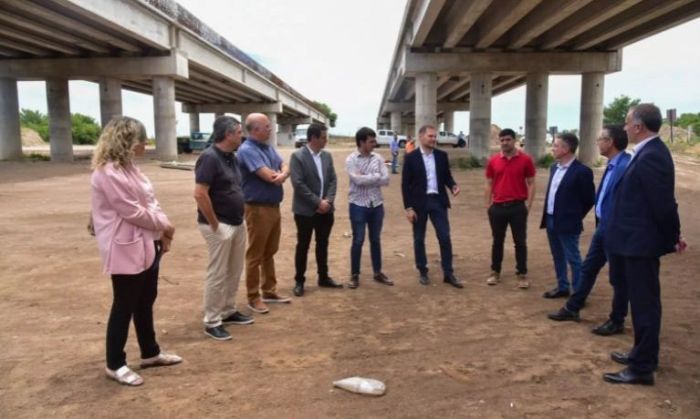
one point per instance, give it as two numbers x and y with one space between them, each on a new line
124 375
163 359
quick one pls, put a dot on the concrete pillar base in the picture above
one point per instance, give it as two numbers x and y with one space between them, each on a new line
396 122
592 89
110 100
60 126
480 115
10 133
536 114
449 119
194 122
165 122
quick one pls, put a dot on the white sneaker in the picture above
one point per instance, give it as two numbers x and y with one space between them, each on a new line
493 278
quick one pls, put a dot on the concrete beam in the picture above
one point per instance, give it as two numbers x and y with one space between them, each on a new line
174 65
238 108
392 107
513 62
164 118
110 100
302 120
10 134
655 26
461 18
29 38
536 114
592 90
584 21
499 20
542 19
60 126
427 12
480 115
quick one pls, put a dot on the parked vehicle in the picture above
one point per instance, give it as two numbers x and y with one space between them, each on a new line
199 141
300 136
386 136
449 138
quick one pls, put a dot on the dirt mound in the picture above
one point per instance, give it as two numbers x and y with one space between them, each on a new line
493 136
679 134
31 138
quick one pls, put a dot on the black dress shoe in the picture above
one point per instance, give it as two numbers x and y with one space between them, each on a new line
329 283
627 376
423 279
556 293
609 328
452 280
383 279
620 357
354 281
299 289
565 315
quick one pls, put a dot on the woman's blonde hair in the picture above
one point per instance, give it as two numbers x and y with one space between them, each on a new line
117 140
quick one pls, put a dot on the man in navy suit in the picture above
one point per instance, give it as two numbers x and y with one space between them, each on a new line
643 226
425 178
612 143
570 195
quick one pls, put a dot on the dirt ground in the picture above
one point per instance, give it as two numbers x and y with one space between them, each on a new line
479 352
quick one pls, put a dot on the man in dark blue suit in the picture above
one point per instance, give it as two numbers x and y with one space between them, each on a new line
425 179
612 143
643 226
570 195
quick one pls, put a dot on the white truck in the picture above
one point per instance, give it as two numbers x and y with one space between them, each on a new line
386 136
449 138
300 135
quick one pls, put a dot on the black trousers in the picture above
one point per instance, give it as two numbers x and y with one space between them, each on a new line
641 277
500 217
134 296
320 225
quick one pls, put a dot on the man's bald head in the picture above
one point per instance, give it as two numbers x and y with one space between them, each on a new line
258 127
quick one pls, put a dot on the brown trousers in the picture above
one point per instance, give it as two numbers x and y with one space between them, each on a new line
264 230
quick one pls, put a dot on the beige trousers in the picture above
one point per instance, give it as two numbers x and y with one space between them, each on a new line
226 257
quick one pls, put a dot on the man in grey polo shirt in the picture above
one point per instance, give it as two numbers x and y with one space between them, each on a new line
220 218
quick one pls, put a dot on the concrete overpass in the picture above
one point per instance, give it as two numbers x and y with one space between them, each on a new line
148 46
455 55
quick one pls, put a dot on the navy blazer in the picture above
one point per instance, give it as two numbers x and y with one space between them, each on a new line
414 180
644 218
574 198
615 175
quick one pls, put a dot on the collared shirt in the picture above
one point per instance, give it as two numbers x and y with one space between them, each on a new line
394 146
556 181
612 164
509 176
319 166
219 170
367 175
430 172
253 156
637 148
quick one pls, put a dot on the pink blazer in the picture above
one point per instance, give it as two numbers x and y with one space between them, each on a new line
127 218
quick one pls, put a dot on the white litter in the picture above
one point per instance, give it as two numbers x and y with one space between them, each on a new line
368 386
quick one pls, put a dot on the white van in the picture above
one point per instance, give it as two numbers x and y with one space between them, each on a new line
386 136
300 136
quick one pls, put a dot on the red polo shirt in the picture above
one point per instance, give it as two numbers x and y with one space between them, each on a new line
509 176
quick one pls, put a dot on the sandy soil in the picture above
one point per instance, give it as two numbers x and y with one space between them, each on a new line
477 352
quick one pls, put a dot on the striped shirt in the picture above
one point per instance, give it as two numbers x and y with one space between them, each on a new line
367 175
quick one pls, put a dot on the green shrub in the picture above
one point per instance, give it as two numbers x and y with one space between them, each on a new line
35 120
85 129
545 161
37 157
468 162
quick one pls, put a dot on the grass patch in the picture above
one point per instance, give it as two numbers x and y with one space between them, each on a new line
36 157
465 163
545 161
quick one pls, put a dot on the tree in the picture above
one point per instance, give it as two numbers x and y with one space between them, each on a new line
616 111
85 129
688 119
326 110
36 121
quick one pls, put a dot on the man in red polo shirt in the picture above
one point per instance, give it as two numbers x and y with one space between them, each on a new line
510 190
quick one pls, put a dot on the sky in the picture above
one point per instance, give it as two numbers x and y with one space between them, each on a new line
339 52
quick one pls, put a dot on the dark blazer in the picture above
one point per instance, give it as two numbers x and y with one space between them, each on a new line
307 184
575 197
414 179
615 175
644 218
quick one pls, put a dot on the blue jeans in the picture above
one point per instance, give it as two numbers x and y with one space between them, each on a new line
565 250
394 162
438 216
373 219
595 260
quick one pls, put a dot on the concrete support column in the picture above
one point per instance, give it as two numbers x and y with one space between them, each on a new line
449 118
110 100
426 100
165 122
396 122
480 89
273 128
10 134
592 88
194 122
60 133
285 135
536 114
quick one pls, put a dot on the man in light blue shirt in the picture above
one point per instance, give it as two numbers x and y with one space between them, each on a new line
612 143
394 147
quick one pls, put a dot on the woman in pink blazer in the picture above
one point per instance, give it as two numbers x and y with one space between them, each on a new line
132 233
